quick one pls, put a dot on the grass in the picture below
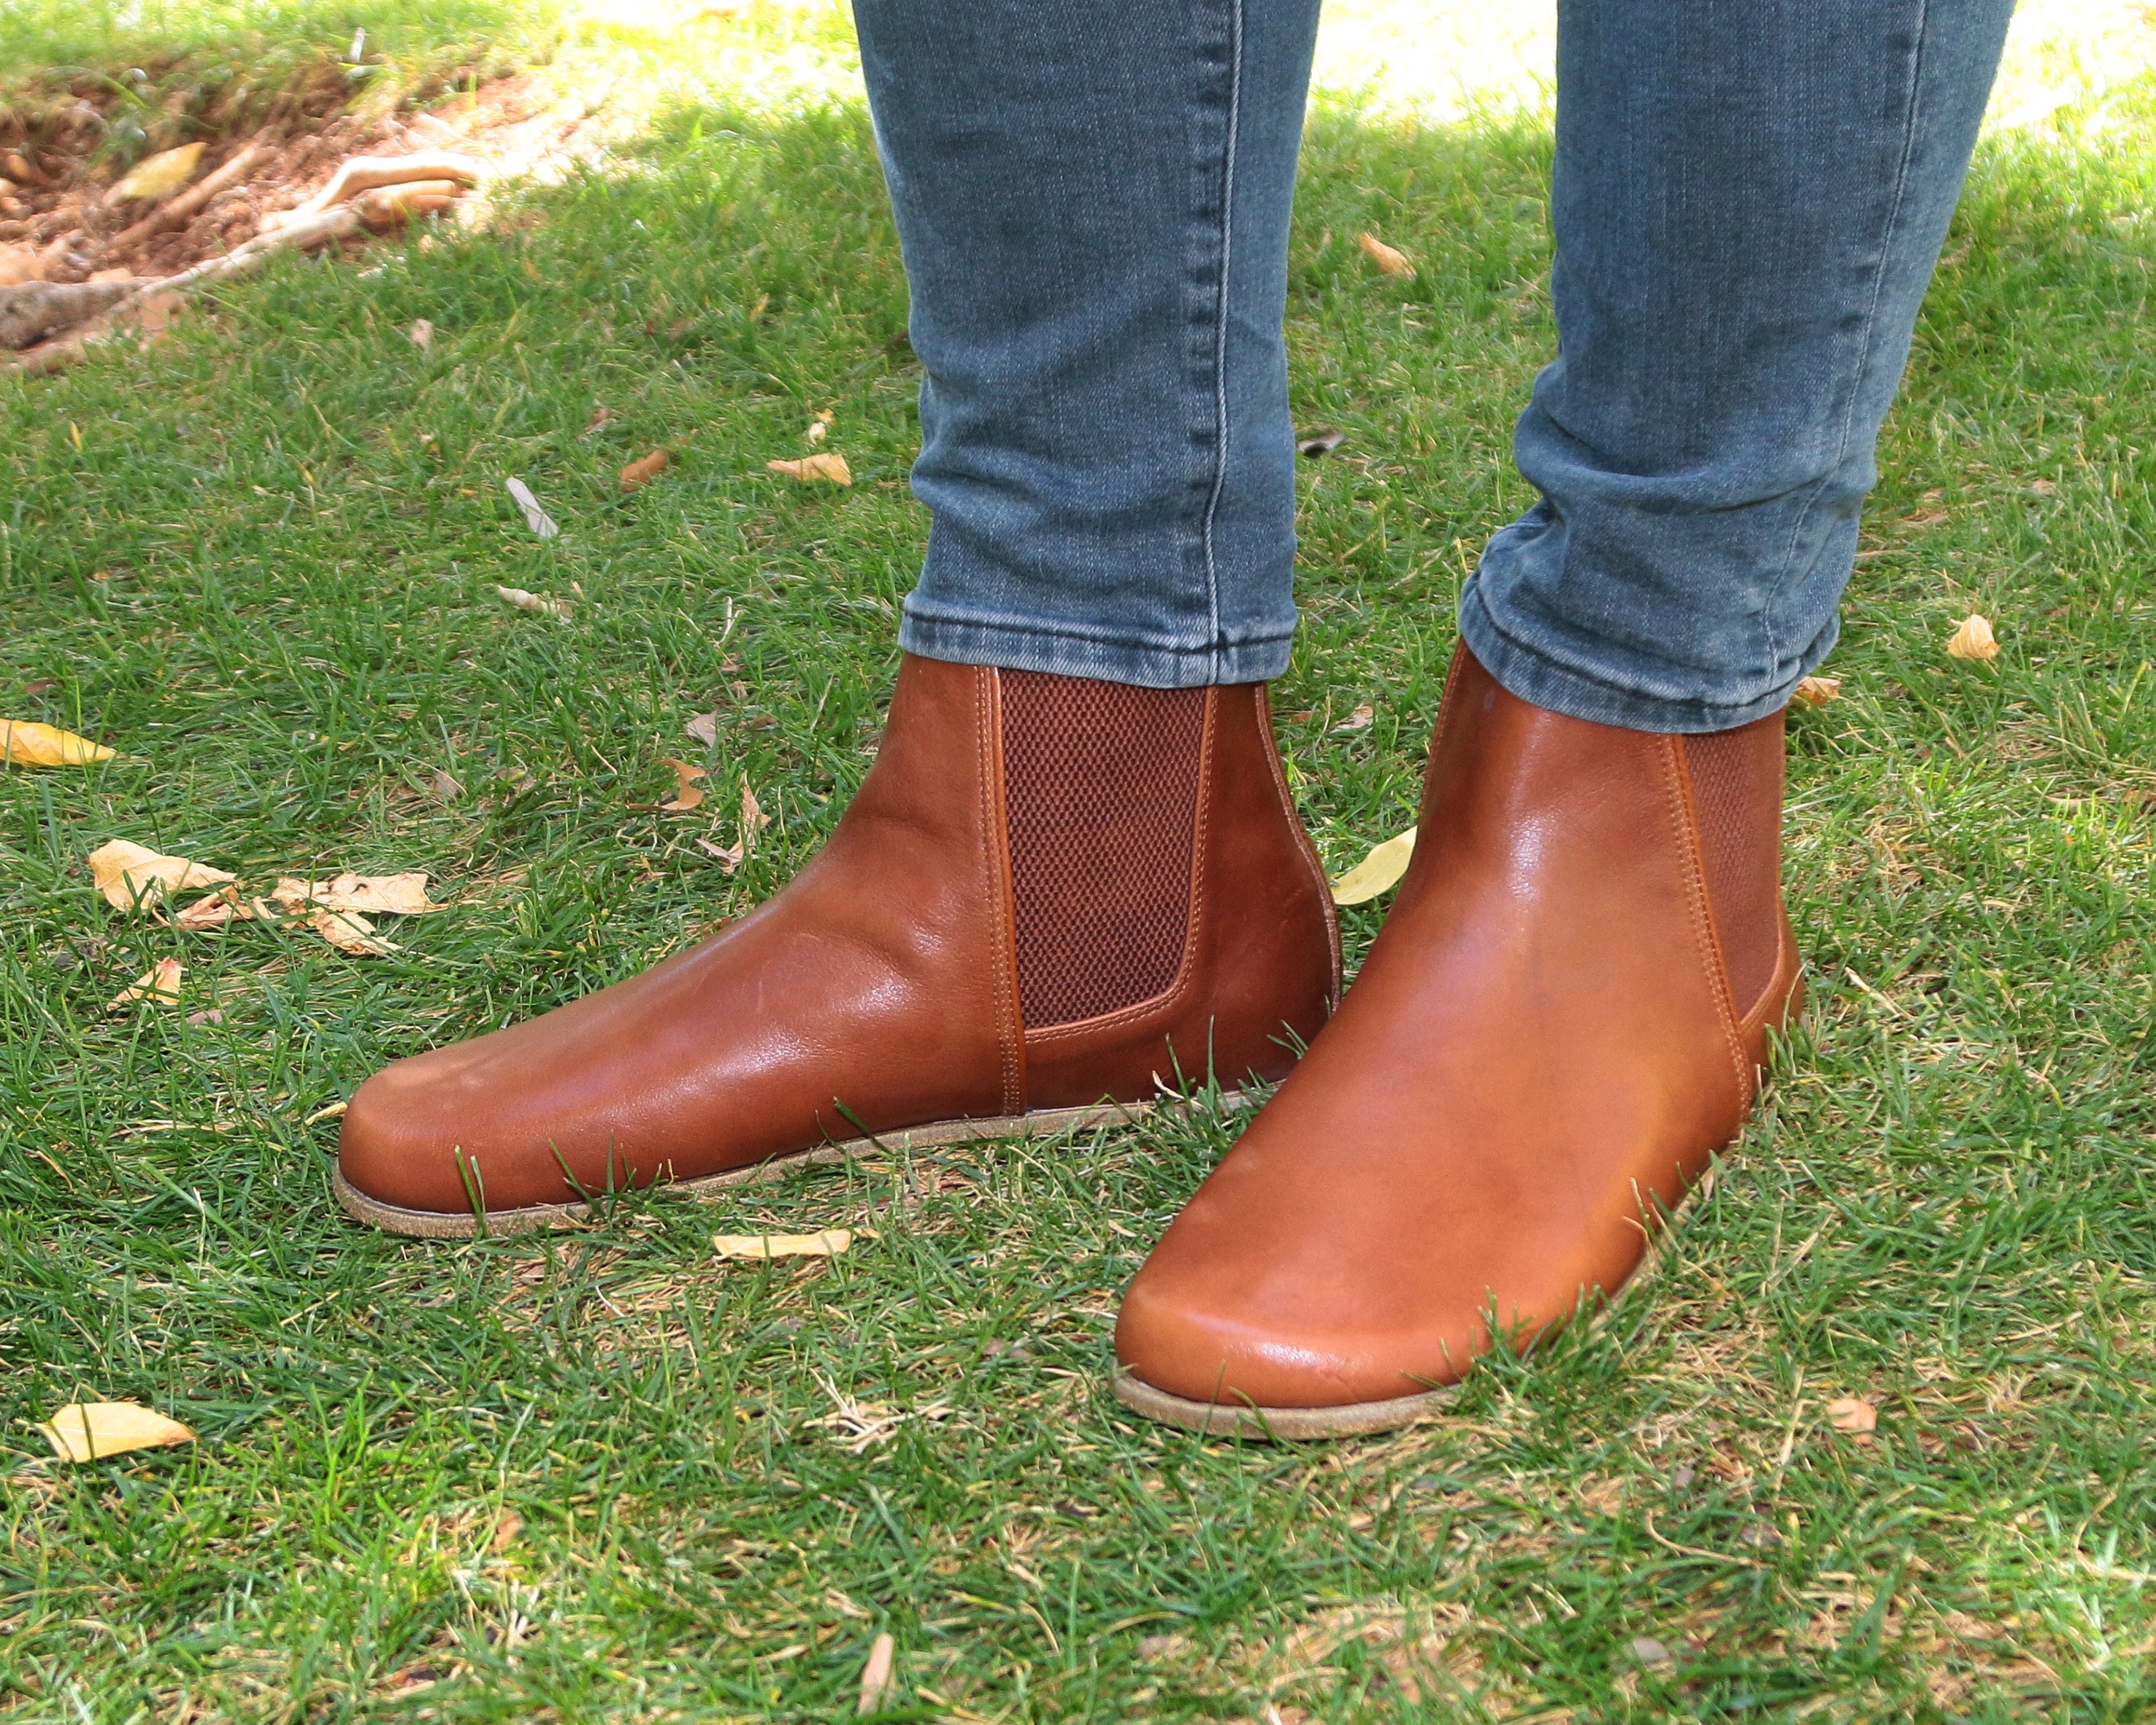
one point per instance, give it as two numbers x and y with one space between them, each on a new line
604 1475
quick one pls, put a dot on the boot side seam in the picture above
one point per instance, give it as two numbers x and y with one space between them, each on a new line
1676 781
1186 969
996 880
1304 847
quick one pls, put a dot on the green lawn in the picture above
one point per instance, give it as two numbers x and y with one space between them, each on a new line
606 1475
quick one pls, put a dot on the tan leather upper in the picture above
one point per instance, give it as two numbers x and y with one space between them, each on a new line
1540 1046
880 984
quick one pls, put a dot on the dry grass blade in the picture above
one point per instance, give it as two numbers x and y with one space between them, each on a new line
84 1431
877 1675
24 743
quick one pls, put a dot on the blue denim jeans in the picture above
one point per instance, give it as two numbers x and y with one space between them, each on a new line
1093 200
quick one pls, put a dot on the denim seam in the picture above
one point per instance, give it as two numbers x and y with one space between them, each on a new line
1631 698
1126 639
1895 207
1220 323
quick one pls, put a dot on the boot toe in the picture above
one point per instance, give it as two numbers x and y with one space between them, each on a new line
1207 1345
393 1145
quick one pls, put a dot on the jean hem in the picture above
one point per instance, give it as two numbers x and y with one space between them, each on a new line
1534 677
1067 652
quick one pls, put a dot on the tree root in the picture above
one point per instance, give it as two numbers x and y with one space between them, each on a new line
50 325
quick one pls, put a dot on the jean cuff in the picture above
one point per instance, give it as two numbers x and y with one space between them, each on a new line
1016 646
1534 677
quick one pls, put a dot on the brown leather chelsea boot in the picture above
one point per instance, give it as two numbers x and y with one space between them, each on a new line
1050 894
1564 1018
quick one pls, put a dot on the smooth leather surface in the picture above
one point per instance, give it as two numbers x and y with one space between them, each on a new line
1540 1044
883 978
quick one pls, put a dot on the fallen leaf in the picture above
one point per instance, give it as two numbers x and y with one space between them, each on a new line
753 820
506 1531
829 1243
160 984
1926 517
525 601
1359 720
703 728
537 519
133 876
876 1674
211 1016
2044 487
1853 1413
1816 691
443 788
421 334
688 794
39 686
348 931
818 429
218 908
1973 639
600 415
730 856
829 466
1321 443
157 176
1377 872
1392 262
24 743
1648 1651
84 1431
639 473
372 895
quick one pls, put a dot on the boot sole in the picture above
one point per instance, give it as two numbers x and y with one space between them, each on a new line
464 1225
1222 1419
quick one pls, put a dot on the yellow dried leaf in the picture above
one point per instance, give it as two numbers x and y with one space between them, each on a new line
24 743
1359 720
372 895
828 466
348 931
84 1431
130 874
876 1676
688 794
1973 639
1853 1413
525 601
1816 692
160 984
157 176
829 1243
215 911
640 473
1392 262
1377 872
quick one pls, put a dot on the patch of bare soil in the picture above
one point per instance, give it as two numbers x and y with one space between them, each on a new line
62 226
